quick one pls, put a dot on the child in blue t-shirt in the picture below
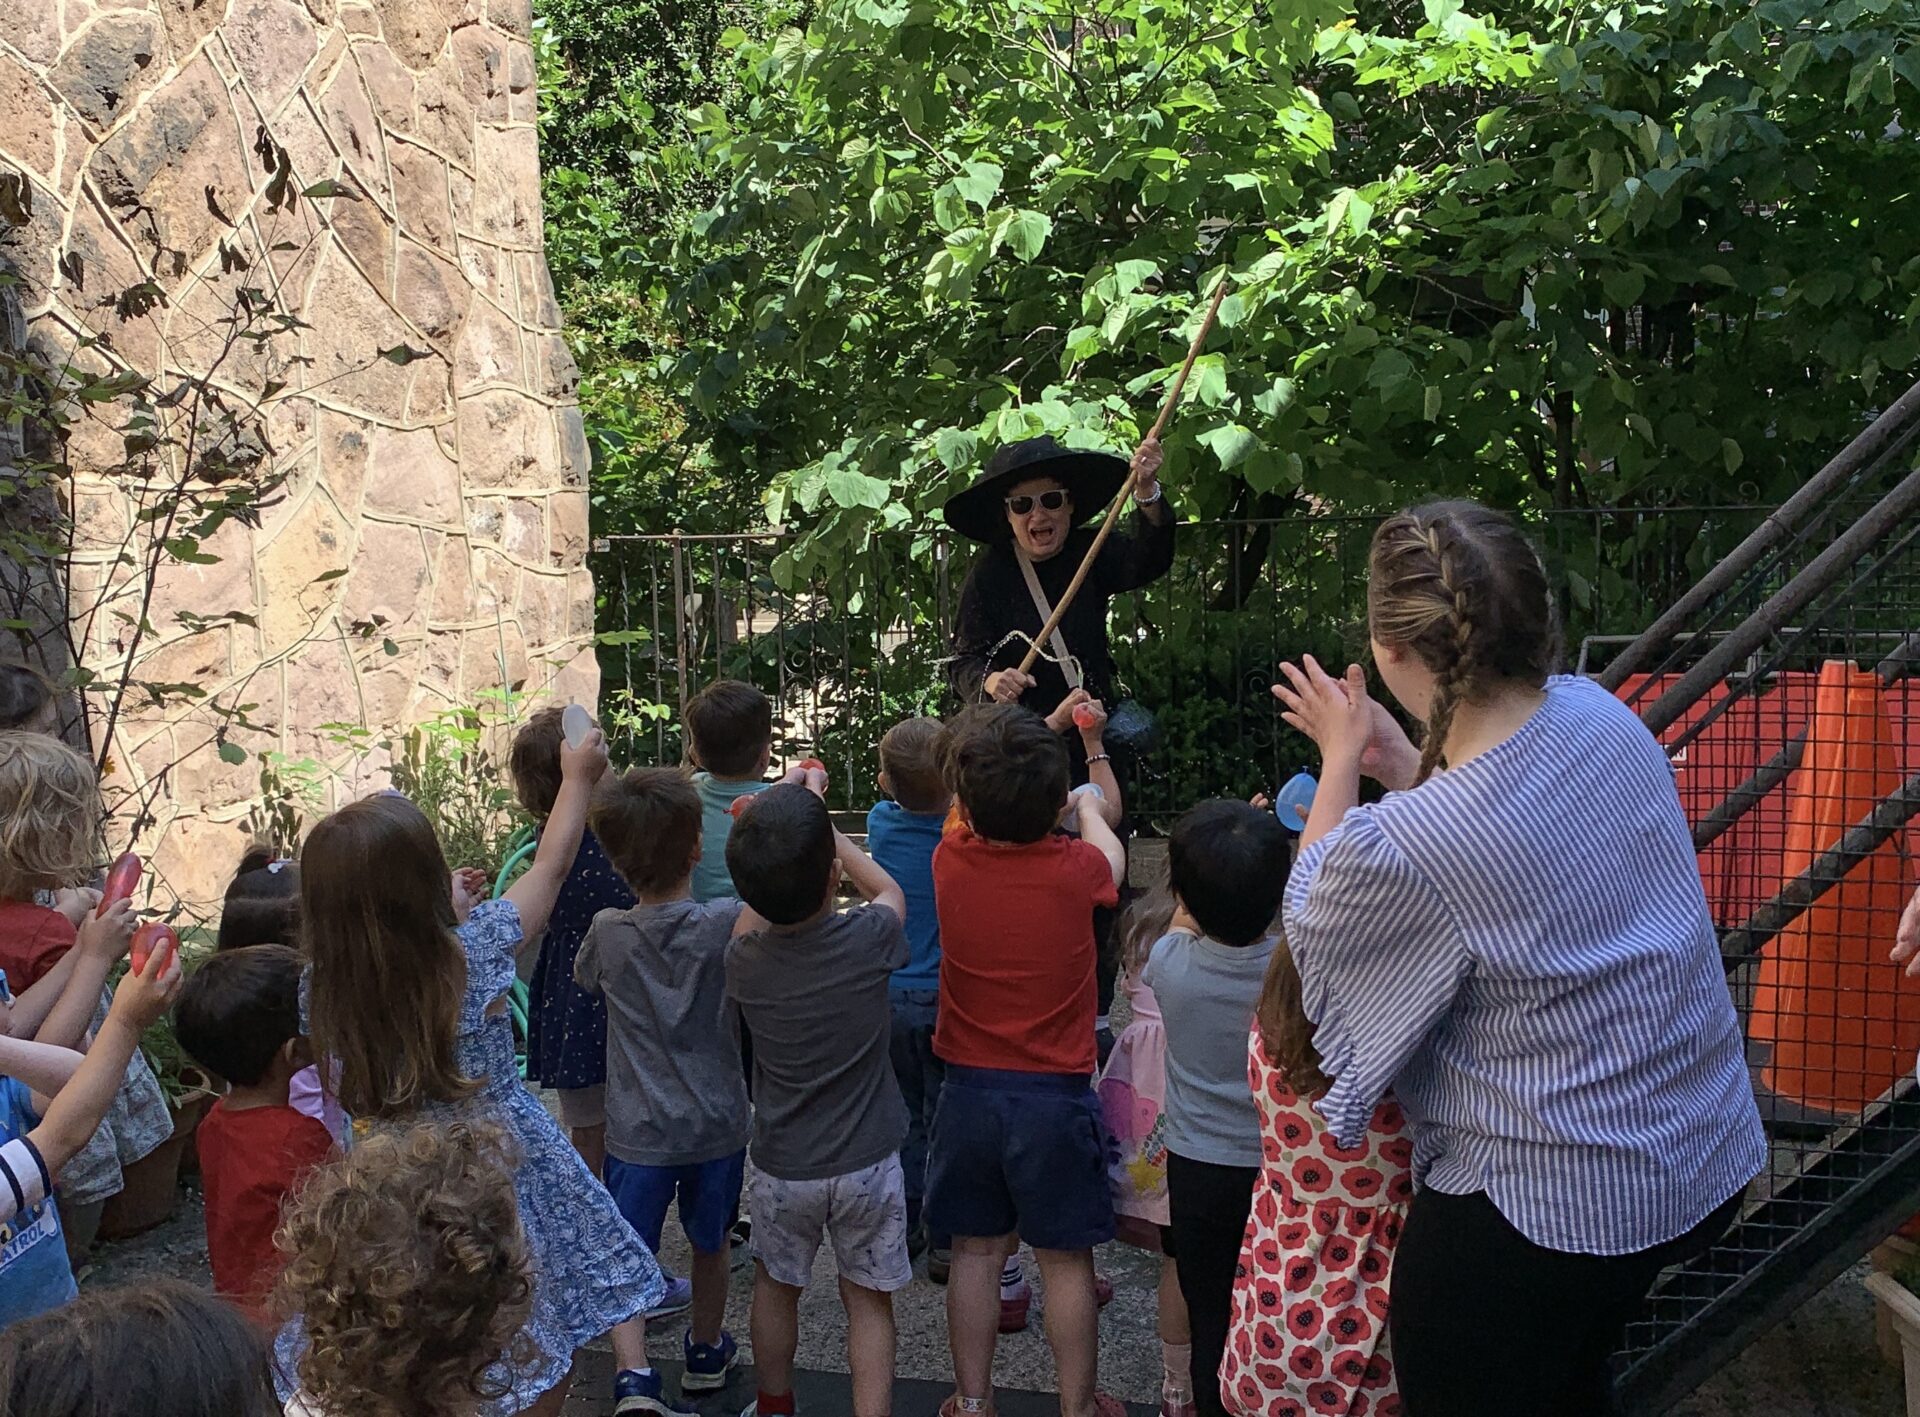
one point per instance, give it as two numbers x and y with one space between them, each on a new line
901 835
729 733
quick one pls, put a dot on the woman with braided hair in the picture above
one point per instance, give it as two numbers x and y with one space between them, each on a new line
1516 942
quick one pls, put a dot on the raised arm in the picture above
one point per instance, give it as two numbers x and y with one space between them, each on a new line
1141 551
83 1089
103 943
1097 834
534 894
876 887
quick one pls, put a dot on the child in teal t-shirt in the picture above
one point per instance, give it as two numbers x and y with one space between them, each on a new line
729 732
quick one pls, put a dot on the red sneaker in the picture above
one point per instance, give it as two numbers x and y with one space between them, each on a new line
1107 1405
951 1407
1102 1289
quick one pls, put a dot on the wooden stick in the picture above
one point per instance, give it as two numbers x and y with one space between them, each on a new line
1126 488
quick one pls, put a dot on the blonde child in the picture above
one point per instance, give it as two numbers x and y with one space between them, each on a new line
1133 1094
50 842
410 1272
410 1005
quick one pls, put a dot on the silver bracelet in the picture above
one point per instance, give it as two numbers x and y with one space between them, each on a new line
1140 501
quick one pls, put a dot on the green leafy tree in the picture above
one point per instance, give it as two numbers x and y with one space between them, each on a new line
1552 254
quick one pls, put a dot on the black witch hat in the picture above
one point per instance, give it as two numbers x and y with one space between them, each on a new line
1091 479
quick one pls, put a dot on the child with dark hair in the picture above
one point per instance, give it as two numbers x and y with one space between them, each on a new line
409 1269
239 1018
729 728
1227 864
828 1122
567 1025
262 903
902 831
676 1098
1018 1153
160 1348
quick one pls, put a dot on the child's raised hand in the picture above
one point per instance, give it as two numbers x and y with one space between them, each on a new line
588 762
109 933
142 997
1090 717
469 889
1061 719
1906 941
76 903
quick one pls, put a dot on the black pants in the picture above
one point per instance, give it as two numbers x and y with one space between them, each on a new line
1483 1320
1208 1207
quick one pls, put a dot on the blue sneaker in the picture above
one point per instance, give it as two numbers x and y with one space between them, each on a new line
677 1300
708 1363
635 1392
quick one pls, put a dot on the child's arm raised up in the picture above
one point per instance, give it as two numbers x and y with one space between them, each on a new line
876 887
539 885
83 1088
1090 717
60 1005
1096 833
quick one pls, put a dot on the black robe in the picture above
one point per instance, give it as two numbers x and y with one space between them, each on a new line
995 601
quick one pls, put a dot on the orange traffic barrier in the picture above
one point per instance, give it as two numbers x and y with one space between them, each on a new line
1841 1024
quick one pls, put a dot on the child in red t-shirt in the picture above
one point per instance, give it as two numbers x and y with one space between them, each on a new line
1018 1152
239 1018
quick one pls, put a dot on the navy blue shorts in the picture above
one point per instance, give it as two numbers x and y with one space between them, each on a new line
1019 1153
708 1192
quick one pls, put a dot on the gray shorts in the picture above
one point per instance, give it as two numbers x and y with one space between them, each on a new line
863 1214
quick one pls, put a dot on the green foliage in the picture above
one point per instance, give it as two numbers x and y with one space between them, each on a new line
1551 254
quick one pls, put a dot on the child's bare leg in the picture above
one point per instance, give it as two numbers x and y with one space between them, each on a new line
1174 1327
591 1143
1073 1325
870 1344
776 1332
1176 1337
973 1309
550 1402
710 1273
630 1344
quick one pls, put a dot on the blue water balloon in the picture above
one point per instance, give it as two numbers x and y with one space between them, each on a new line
1292 802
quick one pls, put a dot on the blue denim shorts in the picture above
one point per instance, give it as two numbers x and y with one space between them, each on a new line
708 1191
1019 1153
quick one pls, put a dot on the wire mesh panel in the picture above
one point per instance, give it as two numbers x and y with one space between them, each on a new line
847 652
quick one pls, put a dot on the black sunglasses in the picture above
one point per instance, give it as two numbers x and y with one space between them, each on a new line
1053 501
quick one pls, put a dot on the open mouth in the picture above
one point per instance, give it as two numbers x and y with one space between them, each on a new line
1042 535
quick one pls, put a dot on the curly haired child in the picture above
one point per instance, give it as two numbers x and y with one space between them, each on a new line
408 1266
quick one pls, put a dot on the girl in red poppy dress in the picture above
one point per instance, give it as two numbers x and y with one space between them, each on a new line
1309 1336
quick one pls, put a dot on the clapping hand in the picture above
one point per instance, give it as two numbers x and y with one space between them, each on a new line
1348 723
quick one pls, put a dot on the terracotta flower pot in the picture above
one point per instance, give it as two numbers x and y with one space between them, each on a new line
151 1187
1901 1305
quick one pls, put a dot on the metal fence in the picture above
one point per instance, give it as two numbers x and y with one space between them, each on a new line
850 651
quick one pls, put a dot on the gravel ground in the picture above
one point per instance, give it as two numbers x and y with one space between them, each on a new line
1820 1363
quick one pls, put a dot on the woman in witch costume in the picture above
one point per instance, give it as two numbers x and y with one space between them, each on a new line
1025 506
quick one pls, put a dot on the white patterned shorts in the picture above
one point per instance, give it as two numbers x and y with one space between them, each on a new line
863 1214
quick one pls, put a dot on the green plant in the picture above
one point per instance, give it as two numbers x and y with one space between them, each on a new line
448 768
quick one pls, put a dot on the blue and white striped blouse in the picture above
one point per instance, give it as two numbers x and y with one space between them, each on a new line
1520 948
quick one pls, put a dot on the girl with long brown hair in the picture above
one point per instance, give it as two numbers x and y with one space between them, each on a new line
409 1005
1516 941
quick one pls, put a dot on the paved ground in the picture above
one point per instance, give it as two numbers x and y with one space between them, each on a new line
1821 1363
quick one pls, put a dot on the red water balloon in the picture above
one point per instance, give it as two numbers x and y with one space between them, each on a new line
150 938
122 877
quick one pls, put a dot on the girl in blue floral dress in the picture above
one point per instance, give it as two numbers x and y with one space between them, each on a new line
411 1006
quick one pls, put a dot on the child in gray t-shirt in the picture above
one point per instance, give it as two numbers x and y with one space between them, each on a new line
828 1120
676 1096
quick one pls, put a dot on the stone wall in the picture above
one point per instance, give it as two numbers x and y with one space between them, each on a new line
448 484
